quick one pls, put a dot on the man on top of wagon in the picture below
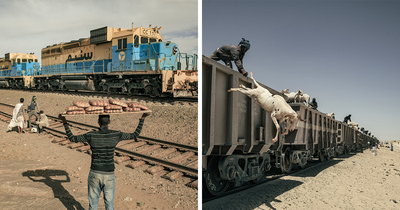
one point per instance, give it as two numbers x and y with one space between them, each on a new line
347 118
228 53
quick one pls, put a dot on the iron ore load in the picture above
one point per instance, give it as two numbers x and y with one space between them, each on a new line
133 61
238 134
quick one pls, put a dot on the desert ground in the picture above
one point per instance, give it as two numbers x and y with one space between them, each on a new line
356 181
38 174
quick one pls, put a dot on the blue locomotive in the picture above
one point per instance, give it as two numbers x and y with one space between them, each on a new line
133 61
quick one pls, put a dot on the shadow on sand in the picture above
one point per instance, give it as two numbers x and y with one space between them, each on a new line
59 191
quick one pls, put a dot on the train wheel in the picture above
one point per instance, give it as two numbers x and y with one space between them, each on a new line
212 182
321 156
286 164
303 163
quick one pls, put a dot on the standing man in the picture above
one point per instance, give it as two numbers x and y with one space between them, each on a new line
228 53
32 107
102 143
18 117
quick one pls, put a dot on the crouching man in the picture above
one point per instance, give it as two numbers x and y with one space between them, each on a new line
43 121
102 143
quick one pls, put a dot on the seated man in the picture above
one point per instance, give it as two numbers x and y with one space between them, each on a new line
43 121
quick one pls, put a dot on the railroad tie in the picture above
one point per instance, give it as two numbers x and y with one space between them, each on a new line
83 149
165 152
154 169
65 142
174 175
193 164
194 184
75 145
59 140
182 157
136 164
148 149
53 123
124 142
133 145
121 159
58 126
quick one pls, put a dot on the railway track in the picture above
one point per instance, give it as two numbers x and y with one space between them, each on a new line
159 155
171 100
313 166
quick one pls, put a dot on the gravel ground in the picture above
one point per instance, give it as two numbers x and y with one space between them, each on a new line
356 181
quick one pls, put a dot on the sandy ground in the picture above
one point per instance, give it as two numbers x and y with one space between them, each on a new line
38 174
356 181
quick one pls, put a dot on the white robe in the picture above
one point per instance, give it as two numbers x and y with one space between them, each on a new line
16 121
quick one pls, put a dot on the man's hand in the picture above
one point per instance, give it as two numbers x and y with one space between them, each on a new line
62 118
145 115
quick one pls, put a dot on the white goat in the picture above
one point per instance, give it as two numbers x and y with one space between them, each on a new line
301 97
355 125
331 115
290 96
273 104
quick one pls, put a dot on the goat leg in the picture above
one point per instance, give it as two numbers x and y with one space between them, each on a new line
278 127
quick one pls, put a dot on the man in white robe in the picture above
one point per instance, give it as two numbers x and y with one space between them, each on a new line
18 117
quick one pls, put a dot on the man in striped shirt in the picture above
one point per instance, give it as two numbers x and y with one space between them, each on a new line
102 143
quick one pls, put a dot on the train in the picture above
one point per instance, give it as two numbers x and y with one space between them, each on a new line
134 61
237 134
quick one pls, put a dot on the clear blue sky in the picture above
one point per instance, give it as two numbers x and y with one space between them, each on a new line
346 54
30 25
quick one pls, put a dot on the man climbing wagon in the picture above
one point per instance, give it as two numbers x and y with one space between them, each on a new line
228 53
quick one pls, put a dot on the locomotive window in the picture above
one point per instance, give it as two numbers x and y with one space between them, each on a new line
24 60
122 44
153 40
159 40
18 60
136 38
144 40
30 60
35 60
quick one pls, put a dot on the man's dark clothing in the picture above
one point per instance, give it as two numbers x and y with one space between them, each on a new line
314 104
347 118
102 144
228 53
32 107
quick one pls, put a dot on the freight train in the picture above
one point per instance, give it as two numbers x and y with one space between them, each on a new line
237 134
134 61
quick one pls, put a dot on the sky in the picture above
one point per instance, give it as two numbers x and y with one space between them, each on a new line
346 54
30 25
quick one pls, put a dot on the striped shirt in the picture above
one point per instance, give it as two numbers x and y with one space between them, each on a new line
102 143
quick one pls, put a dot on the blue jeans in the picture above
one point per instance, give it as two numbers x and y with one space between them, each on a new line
100 182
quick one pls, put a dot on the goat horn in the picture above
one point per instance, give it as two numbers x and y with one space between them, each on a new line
299 116
291 115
